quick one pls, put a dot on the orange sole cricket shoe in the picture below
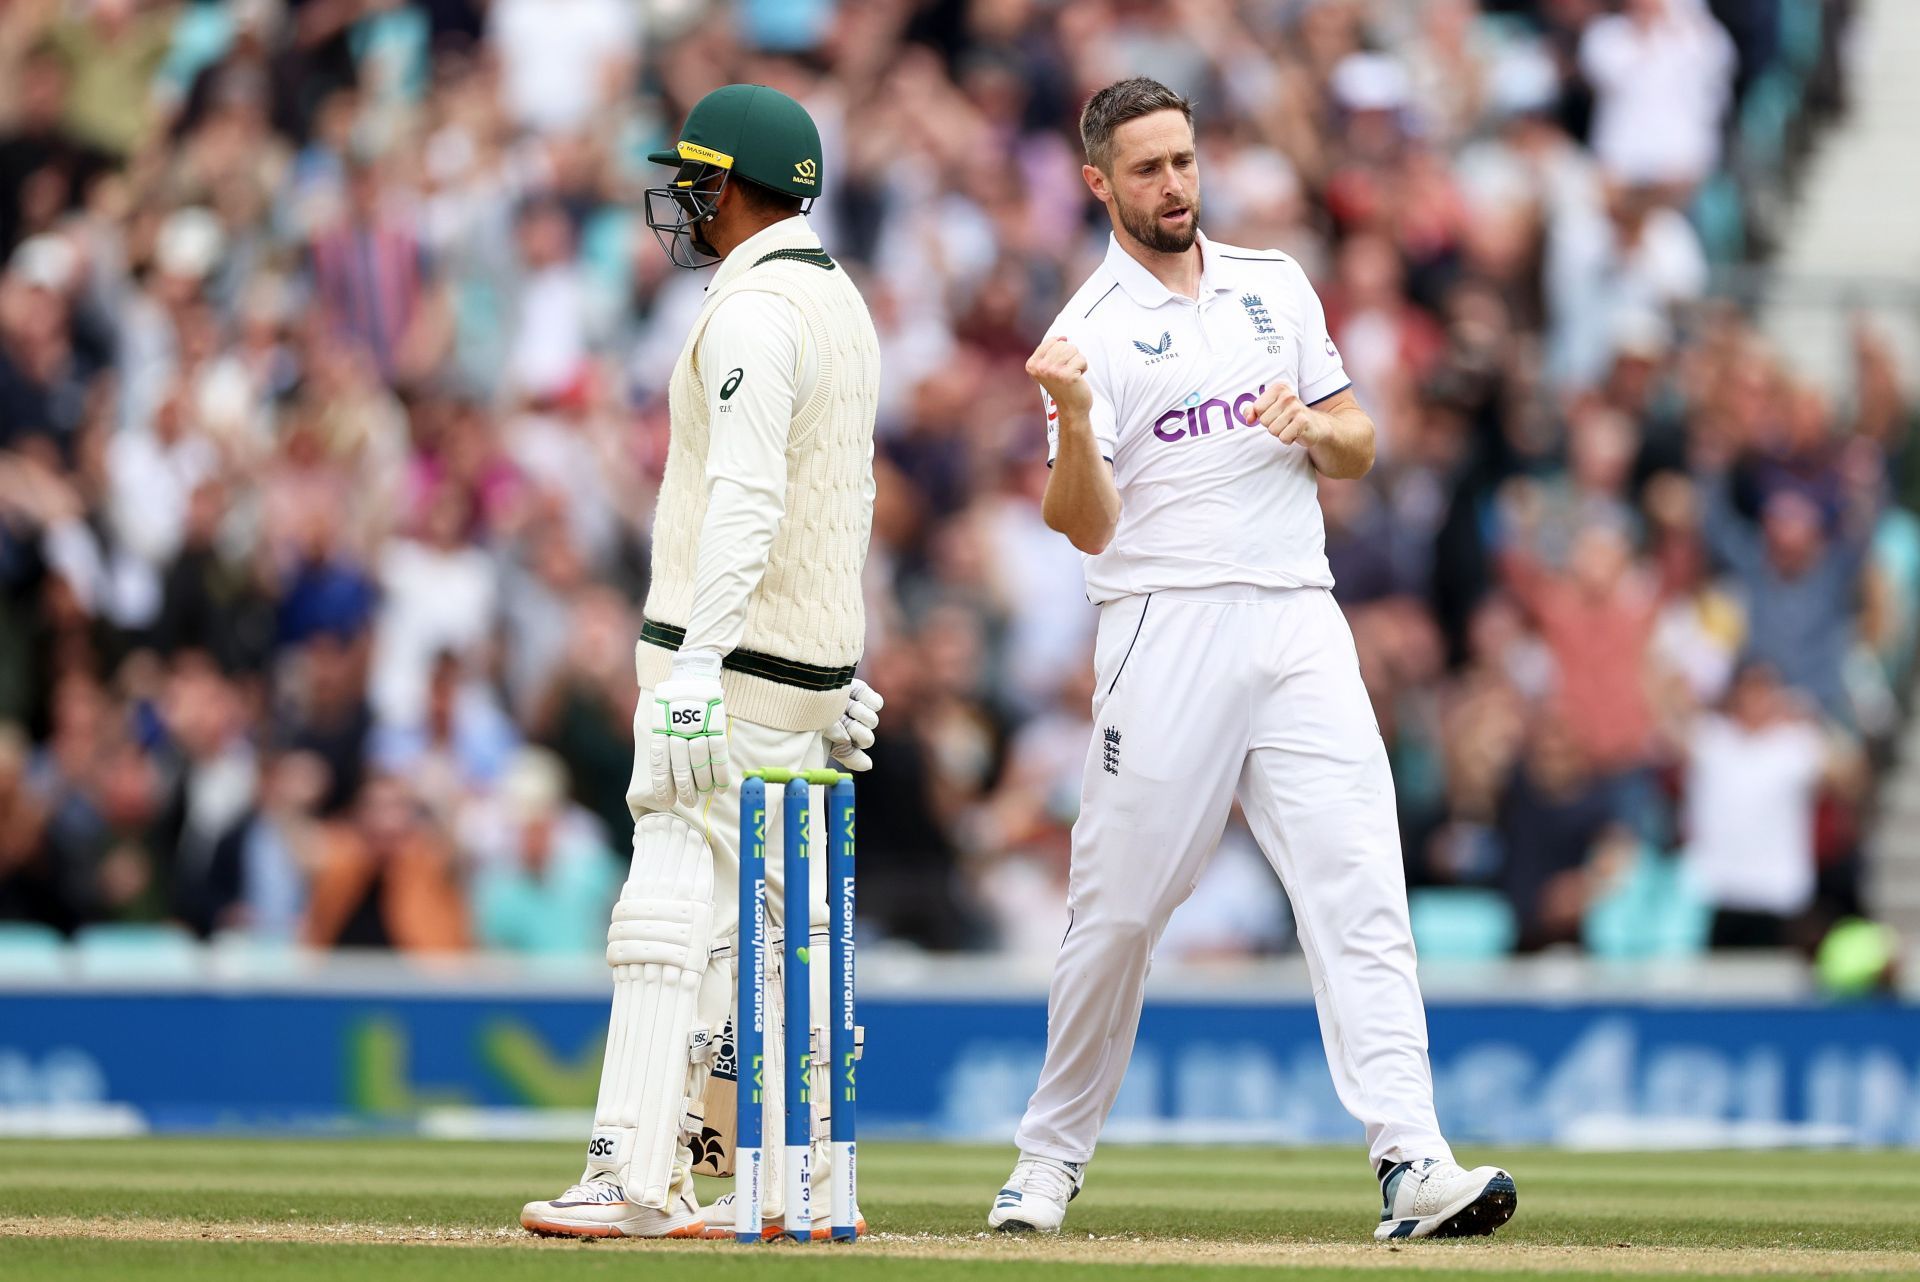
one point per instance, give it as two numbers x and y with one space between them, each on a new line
599 1209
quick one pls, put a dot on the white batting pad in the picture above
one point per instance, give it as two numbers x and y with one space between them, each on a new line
658 947
773 1149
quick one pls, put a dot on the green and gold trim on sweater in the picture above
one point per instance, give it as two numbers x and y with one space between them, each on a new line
768 667
816 257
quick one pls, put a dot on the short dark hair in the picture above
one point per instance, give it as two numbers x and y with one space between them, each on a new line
765 200
1118 103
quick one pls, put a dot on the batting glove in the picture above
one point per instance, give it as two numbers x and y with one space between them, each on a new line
687 751
850 736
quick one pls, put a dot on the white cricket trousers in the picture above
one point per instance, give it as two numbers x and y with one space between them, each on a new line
1203 695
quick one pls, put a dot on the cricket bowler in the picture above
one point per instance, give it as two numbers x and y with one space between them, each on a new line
754 623
1192 396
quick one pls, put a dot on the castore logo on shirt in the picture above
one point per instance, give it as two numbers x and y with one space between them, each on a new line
1156 352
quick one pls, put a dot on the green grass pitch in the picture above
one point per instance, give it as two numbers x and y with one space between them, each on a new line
372 1209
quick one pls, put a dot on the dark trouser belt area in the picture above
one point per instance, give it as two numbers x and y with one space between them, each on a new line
768 667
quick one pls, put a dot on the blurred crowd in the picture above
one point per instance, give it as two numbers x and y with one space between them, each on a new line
333 356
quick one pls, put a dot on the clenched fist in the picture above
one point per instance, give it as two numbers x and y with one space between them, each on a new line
1281 411
849 738
1061 371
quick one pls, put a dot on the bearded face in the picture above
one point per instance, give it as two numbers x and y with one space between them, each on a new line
1168 227
1153 183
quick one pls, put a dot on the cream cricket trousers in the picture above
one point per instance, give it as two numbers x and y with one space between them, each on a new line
717 817
1204 695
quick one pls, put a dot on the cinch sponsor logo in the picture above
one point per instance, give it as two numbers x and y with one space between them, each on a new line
1199 420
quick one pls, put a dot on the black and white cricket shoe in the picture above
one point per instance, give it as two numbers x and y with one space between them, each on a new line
1433 1198
1035 1197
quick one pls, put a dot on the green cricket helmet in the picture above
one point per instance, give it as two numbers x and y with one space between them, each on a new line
745 131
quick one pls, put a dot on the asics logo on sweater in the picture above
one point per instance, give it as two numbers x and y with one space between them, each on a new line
1195 420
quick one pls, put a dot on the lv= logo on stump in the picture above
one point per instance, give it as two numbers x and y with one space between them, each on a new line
753 1013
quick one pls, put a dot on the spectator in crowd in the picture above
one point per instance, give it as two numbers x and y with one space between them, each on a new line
456 753
280 846
332 409
322 591
53 878
1701 628
45 169
1597 620
28 878
373 281
438 599
41 379
1556 823
1619 255
210 599
547 336
1800 588
1661 72
1755 770
585 711
386 880
102 829
324 711
563 60
115 49
211 775
547 883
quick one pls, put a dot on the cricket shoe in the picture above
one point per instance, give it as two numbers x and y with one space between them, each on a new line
719 1218
599 1208
1036 1195
1432 1198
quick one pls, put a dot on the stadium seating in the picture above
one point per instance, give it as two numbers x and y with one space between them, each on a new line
136 952
29 950
1458 923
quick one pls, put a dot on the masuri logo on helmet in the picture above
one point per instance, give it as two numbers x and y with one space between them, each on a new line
745 131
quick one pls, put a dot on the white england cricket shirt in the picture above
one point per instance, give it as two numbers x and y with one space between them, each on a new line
1204 498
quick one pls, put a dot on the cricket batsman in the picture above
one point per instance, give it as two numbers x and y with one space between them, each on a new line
1192 397
754 622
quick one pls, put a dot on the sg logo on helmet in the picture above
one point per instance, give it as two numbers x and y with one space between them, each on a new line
805 170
